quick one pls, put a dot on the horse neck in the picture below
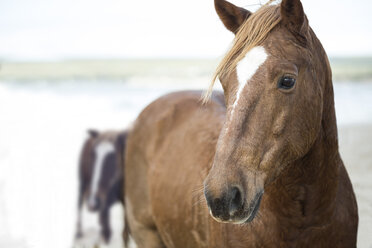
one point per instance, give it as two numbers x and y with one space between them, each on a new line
311 182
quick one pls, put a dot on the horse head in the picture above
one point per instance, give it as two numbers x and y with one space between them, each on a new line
274 79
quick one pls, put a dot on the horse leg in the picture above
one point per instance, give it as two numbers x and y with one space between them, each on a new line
145 237
79 232
104 219
138 212
126 232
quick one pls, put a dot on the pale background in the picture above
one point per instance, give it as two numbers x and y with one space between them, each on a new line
69 65
62 29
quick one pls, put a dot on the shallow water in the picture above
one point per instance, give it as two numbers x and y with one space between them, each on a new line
43 126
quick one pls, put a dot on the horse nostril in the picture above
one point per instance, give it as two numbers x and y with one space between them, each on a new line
236 201
226 206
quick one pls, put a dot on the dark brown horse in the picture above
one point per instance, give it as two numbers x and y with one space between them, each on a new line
101 177
265 152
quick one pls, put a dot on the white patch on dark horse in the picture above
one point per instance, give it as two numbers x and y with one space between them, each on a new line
102 151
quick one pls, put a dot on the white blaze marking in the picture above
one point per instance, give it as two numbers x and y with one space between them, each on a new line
101 152
247 67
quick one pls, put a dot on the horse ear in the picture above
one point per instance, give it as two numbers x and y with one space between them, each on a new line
293 17
93 133
231 16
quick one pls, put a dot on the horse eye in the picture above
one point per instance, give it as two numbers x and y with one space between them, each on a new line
286 83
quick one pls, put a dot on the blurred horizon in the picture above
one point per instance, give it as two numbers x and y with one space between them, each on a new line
355 69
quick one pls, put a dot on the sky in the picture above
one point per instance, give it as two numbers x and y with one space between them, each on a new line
33 30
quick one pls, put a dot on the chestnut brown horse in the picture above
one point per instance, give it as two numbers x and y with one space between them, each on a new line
265 152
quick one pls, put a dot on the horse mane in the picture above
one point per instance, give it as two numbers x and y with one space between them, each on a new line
251 34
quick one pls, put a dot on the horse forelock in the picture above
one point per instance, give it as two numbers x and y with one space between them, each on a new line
251 34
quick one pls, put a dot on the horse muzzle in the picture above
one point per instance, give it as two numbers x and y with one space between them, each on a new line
233 207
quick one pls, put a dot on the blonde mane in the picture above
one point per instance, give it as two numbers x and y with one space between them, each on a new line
251 34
